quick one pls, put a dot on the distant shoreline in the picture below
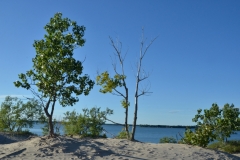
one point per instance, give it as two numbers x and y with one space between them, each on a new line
149 125
159 126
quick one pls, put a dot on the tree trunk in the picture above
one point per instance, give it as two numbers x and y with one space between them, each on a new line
50 122
135 109
134 120
50 125
126 122
126 112
51 131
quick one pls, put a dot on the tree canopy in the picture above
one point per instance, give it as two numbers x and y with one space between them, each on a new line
56 73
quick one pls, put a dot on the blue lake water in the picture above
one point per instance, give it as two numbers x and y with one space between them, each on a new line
143 134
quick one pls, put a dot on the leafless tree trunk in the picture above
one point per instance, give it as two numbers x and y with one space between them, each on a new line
140 76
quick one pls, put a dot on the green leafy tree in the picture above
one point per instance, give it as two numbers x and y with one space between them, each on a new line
16 115
55 73
214 124
87 124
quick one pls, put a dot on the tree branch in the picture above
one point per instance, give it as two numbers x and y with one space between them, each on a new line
114 122
119 93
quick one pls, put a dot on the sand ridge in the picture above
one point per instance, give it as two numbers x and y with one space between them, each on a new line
90 149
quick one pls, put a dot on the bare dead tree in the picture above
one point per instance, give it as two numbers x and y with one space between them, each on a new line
110 84
140 76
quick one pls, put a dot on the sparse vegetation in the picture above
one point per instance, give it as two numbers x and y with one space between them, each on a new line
16 115
168 140
232 146
88 124
123 134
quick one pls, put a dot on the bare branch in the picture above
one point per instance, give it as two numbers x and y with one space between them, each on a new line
83 60
143 78
114 122
115 94
119 93
147 47
144 93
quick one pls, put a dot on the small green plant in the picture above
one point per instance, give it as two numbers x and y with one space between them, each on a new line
168 140
88 124
25 133
201 137
21 133
123 134
230 146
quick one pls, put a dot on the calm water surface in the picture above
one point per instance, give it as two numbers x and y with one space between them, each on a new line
143 134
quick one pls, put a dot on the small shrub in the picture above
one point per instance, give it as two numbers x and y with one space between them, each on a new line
25 133
201 137
123 135
88 124
21 133
168 140
213 124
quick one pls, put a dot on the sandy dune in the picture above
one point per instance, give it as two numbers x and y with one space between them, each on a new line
112 149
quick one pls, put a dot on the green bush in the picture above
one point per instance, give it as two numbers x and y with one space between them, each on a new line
201 137
16 115
88 124
123 134
168 140
214 124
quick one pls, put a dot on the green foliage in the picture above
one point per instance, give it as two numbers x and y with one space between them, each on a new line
124 103
107 83
87 124
15 115
23 133
168 140
123 134
201 137
230 146
214 124
55 73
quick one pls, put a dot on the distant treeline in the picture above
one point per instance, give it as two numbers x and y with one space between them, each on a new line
165 126
149 125
160 126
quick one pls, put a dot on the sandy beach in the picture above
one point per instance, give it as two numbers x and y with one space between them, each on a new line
12 147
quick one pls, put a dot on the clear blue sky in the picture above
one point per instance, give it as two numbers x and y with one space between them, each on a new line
194 62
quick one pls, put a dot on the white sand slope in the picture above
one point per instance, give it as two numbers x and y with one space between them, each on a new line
112 149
